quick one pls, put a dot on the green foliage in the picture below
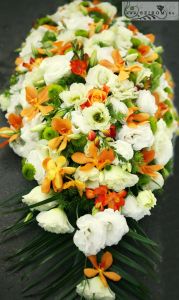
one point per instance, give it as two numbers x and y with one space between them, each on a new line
49 133
168 118
49 36
135 42
157 72
14 79
136 161
43 21
143 180
82 32
97 16
116 115
153 124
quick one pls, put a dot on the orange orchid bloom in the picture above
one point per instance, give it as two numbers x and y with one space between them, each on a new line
36 99
50 27
144 49
148 156
162 107
32 63
149 58
136 119
64 128
103 197
100 269
11 134
75 183
55 170
59 47
94 159
151 37
119 66
132 28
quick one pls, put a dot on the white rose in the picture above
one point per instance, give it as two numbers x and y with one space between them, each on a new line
155 183
89 240
108 8
146 199
55 221
94 289
139 137
132 209
122 38
78 23
55 68
91 177
75 96
79 122
99 76
33 40
123 148
118 106
146 102
116 225
36 157
162 144
36 196
117 179
97 116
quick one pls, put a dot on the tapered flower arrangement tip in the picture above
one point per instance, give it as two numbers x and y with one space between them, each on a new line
90 111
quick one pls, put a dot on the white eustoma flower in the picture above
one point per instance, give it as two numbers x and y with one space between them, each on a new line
91 177
132 209
146 102
55 67
160 90
143 74
162 144
54 220
122 38
99 76
75 22
35 196
139 137
146 199
91 236
155 183
75 96
79 123
36 158
118 106
108 8
97 116
116 225
124 90
94 289
117 179
101 52
123 148
33 40
32 77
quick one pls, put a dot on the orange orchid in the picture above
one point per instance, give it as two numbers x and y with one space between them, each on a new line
36 99
100 269
151 37
132 28
32 63
149 58
64 128
148 156
162 107
55 170
11 134
103 197
59 47
50 27
94 159
75 183
136 119
119 66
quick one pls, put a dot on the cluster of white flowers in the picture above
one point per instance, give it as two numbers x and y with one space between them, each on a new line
89 88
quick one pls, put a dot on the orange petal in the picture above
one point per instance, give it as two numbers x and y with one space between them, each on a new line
63 144
57 182
13 137
112 276
148 155
103 279
93 260
81 158
90 272
51 27
55 143
123 75
29 113
68 170
45 163
15 120
31 93
107 64
150 170
45 110
151 37
106 155
4 144
63 126
117 57
46 185
93 150
87 167
106 260
43 95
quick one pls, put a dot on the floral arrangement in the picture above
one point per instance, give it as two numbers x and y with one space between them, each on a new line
90 112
